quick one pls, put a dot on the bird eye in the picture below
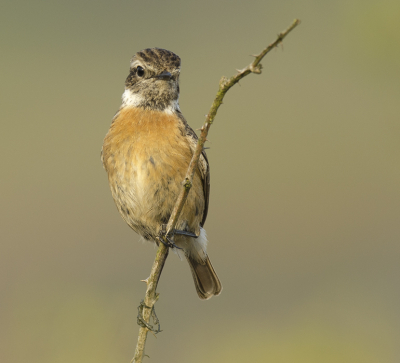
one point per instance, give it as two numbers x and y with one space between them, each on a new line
140 71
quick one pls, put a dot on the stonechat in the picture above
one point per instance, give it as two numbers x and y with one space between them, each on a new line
146 154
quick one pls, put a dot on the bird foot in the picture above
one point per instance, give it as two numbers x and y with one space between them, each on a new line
167 239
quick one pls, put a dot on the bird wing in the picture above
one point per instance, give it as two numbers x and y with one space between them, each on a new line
203 165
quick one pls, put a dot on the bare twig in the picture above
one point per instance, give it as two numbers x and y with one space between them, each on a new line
224 85
162 252
150 299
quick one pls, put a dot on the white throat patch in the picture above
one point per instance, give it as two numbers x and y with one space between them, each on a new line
172 107
131 99
134 100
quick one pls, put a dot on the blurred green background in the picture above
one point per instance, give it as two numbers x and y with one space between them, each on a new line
305 200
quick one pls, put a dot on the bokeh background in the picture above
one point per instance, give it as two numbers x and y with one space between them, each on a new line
304 213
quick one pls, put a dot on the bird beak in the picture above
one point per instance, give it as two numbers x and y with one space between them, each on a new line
165 75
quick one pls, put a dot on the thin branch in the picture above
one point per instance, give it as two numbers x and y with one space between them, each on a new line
150 299
224 85
162 252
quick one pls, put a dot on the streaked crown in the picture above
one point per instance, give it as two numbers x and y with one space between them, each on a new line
157 59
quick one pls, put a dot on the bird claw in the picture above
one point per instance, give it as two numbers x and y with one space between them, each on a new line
167 238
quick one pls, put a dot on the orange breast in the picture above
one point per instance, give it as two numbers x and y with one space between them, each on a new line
146 155
148 133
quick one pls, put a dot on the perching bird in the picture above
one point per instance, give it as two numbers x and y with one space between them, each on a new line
146 154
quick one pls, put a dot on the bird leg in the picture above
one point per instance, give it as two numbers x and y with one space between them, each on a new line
185 233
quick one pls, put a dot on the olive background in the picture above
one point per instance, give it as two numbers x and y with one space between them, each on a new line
304 211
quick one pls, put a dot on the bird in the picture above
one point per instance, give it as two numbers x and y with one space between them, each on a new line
146 154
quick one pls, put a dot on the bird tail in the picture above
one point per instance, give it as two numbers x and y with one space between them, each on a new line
205 279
